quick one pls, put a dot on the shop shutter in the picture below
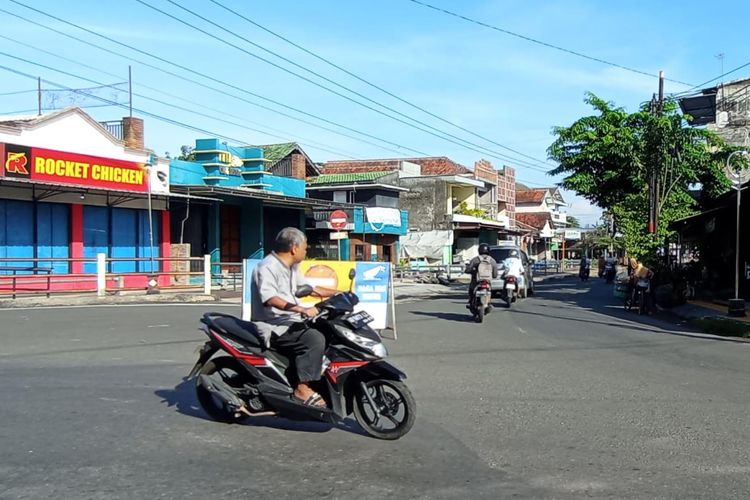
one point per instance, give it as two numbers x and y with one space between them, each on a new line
17 234
143 241
124 239
95 234
53 235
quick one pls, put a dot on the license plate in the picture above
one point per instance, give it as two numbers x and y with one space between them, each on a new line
510 287
359 319
482 293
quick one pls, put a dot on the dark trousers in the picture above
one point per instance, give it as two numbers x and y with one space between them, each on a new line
305 346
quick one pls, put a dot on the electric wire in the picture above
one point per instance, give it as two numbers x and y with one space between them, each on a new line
539 42
285 137
400 150
367 82
424 127
158 101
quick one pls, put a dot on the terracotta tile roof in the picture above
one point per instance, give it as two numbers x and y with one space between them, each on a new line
537 220
530 196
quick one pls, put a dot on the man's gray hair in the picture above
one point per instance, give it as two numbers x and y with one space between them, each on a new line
287 238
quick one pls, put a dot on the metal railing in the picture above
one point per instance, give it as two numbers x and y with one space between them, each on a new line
114 127
25 276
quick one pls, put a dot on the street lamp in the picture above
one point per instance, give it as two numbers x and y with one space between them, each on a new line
737 305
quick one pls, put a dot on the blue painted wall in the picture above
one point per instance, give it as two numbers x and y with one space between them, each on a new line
18 222
252 172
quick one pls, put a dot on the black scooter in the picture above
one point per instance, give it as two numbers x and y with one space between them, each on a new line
480 300
252 380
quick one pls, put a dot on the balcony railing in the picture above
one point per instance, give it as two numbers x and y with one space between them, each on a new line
114 127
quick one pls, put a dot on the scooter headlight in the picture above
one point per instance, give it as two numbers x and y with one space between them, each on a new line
375 347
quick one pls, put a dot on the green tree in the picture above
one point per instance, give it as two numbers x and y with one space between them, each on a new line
573 221
186 153
610 156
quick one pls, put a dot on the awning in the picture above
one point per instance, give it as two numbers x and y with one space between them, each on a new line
47 189
701 107
272 199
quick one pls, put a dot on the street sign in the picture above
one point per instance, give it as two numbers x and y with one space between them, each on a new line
338 220
572 234
340 235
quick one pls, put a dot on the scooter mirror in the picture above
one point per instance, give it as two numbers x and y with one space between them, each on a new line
303 291
352 273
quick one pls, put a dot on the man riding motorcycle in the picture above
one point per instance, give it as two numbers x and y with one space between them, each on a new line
514 267
473 267
279 316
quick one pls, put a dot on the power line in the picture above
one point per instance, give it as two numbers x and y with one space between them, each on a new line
158 101
18 92
713 79
367 82
287 135
539 42
115 103
187 79
109 102
429 129
208 77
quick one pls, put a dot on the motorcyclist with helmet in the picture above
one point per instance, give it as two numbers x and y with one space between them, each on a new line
473 266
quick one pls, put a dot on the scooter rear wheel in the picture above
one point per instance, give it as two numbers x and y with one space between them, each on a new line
479 315
396 410
231 372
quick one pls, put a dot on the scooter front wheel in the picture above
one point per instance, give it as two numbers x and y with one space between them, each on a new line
394 412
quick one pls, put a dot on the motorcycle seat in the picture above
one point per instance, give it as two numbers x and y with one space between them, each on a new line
244 331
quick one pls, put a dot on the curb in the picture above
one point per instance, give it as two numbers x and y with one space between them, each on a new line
179 298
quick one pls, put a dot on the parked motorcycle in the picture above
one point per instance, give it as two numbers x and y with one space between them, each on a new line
250 380
480 300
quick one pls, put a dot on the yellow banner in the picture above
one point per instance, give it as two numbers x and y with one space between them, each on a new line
326 273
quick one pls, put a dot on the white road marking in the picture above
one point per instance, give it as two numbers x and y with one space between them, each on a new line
157 326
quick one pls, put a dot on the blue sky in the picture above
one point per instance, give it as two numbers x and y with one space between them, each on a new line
501 87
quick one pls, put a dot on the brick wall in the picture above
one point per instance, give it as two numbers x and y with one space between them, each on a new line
298 166
132 132
506 192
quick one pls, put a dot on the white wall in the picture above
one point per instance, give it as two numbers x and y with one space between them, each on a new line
71 132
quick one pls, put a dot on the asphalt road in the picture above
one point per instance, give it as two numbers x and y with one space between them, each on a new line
563 396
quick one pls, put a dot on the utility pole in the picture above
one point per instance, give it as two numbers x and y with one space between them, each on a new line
657 107
39 95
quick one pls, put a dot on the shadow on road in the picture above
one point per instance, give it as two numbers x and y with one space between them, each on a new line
462 318
597 296
183 399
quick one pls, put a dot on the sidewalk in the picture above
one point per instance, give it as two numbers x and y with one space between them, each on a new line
404 291
87 299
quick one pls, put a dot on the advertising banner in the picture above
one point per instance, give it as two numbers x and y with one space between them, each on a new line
372 284
58 167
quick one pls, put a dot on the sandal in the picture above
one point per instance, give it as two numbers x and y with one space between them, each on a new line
316 401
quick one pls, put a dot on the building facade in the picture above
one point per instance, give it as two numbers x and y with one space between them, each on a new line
70 190
254 198
445 201
376 221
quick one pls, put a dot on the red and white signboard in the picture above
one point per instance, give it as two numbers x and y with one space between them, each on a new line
338 220
58 167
